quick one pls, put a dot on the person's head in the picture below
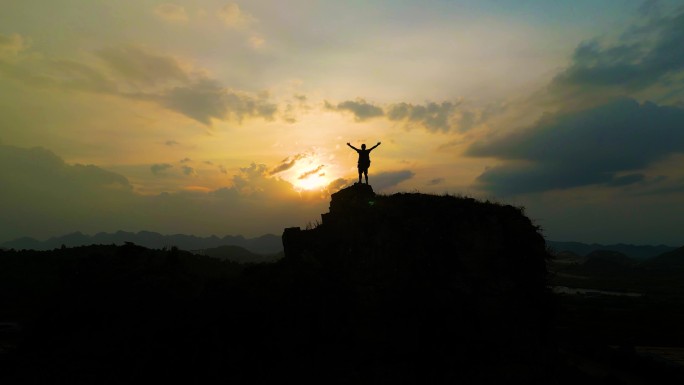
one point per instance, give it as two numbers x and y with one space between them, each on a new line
363 146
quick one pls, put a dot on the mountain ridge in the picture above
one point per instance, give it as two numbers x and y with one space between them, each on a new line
270 244
630 250
266 244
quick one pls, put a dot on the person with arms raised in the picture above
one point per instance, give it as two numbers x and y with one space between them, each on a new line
364 159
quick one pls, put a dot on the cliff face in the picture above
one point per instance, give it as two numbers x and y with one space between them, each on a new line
448 277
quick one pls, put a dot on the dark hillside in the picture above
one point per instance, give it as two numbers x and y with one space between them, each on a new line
454 281
641 252
608 262
672 260
400 289
239 254
268 244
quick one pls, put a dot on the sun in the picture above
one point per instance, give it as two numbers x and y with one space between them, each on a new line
312 182
312 172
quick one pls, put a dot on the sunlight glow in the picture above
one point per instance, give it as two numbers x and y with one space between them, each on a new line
312 182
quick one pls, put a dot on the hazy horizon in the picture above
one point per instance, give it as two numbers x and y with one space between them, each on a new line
220 236
218 117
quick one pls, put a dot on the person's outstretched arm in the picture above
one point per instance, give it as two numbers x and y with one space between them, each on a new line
355 149
374 146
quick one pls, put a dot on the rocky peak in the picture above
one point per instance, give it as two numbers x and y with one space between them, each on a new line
476 270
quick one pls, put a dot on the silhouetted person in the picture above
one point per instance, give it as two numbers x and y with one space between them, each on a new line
364 159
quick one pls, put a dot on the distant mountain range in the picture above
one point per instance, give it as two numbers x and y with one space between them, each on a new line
632 251
268 244
611 270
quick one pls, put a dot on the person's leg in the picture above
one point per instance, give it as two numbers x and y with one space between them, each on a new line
365 173
360 171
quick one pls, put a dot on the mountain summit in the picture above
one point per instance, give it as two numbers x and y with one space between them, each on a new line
439 278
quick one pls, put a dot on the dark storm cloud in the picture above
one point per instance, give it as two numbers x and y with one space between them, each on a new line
583 148
286 164
159 168
389 179
645 55
361 109
311 172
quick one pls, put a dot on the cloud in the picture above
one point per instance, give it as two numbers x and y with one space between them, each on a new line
435 117
646 55
159 168
12 45
387 179
233 17
581 148
436 181
626 180
77 76
293 107
661 185
361 109
36 183
171 143
598 133
136 73
311 172
206 99
432 116
187 170
286 164
45 168
185 160
193 95
40 190
337 185
45 72
172 13
142 67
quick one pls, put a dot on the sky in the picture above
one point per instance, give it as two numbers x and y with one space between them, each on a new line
211 117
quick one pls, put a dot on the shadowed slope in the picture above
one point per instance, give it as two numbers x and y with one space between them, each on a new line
401 289
455 281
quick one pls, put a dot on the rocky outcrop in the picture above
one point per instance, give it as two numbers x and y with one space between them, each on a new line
495 243
456 277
